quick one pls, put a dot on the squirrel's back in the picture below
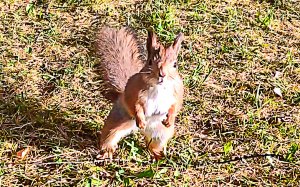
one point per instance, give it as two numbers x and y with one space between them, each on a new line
120 58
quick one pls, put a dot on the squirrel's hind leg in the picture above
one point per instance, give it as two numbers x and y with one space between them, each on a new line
157 150
157 139
117 125
110 138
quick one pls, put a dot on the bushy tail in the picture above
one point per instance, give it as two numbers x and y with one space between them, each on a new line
120 58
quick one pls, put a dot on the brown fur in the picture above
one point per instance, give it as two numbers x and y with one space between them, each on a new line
120 58
137 87
133 88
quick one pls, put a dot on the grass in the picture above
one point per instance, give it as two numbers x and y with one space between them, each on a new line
234 130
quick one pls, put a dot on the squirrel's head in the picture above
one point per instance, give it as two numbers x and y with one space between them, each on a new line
162 60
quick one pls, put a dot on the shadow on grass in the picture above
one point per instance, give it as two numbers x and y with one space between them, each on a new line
26 122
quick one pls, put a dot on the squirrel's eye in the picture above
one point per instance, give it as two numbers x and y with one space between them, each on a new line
175 64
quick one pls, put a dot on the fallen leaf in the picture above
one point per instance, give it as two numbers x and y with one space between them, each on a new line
23 153
278 91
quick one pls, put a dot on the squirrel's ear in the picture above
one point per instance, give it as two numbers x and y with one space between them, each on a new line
151 41
177 43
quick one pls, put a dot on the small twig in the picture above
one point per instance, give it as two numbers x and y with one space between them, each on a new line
20 127
57 155
240 158
98 161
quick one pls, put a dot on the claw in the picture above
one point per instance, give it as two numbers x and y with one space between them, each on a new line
140 124
108 153
166 123
157 155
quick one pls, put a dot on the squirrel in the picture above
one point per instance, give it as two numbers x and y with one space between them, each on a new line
146 94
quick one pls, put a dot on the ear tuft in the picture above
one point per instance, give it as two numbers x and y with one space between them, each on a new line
177 42
151 41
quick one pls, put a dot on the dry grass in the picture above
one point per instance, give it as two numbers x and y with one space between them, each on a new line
233 130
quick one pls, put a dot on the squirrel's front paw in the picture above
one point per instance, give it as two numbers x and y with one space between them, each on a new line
166 122
169 121
140 124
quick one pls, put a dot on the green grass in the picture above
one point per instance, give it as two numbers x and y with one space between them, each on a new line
233 130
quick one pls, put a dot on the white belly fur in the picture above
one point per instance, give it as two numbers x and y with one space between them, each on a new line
159 100
155 130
